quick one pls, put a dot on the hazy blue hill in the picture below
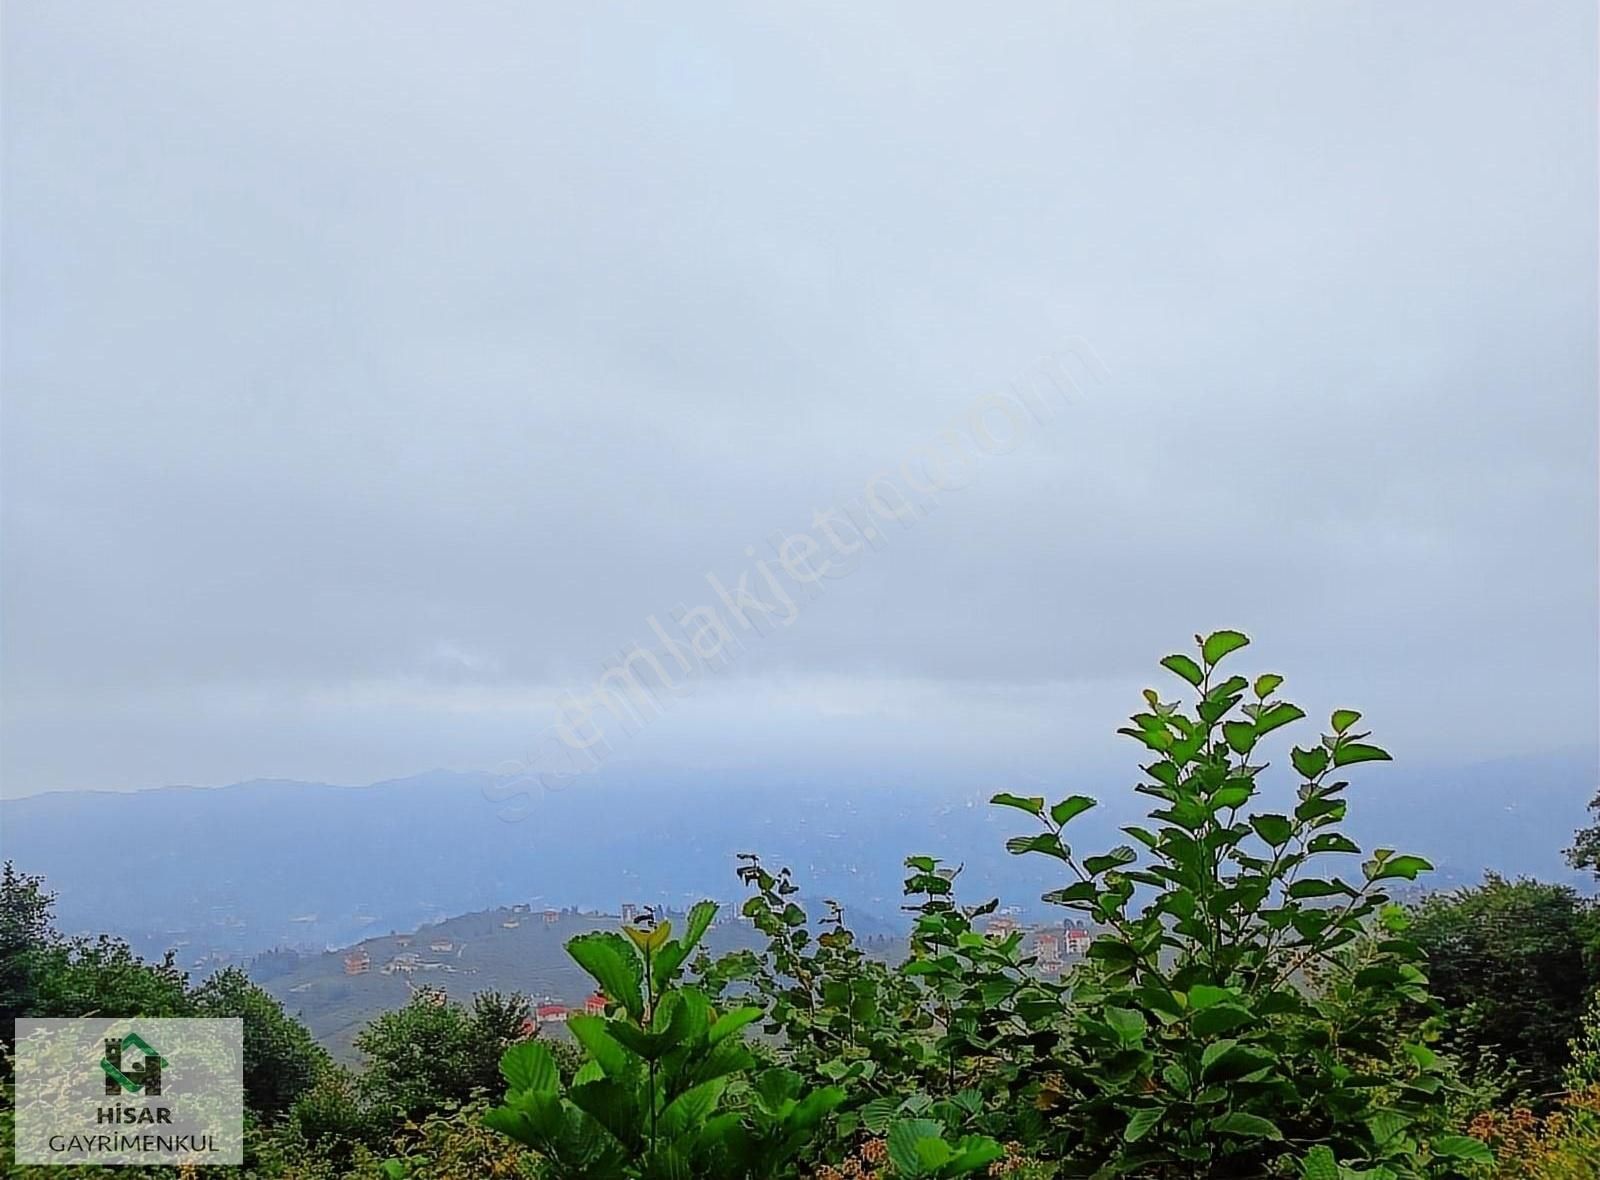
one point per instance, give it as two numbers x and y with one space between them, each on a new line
262 864
1514 816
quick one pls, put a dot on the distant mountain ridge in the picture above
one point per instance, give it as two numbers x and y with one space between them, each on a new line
236 870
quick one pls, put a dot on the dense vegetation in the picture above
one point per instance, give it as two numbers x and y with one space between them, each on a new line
1255 1003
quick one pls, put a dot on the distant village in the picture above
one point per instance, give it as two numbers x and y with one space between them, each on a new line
414 956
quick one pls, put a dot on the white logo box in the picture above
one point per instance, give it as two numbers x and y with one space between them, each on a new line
176 1091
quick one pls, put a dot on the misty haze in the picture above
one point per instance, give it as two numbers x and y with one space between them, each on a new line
805 591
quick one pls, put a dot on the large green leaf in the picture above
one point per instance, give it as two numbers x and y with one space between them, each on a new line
906 1137
528 1065
1320 1164
654 1044
1343 719
1463 1147
538 1119
1349 753
1236 1062
1215 1051
1115 859
875 1115
1314 887
1129 1024
972 1155
1332 842
1142 1122
1267 684
1184 667
594 1034
673 955
692 1107
815 1107
1078 891
1203 996
1309 763
1386 1125
513 1124
1220 1019
1241 735
1274 829
1403 867
1250 1126
1220 643
1276 716
1032 804
614 966
1070 808
1043 842
733 1021
613 1106
1231 796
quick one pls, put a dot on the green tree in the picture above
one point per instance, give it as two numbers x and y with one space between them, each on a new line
103 977
1585 850
496 1021
280 1059
25 931
331 1119
45 975
1507 962
431 1054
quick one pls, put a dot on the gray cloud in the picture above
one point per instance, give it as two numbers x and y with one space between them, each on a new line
373 371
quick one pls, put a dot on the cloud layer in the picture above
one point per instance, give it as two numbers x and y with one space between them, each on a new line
374 372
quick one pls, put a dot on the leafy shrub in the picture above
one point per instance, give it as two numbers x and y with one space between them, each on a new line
653 1099
1199 1047
331 1118
280 1059
1583 1065
999 1024
430 1054
843 1018
1506 960
455 1144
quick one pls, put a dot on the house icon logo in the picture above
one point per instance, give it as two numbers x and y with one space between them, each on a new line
144 1077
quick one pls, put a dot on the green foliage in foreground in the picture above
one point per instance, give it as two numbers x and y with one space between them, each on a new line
429 1053
670 1089
1254 1005
1198 1047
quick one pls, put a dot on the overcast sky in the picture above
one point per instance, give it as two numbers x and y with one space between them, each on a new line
374 371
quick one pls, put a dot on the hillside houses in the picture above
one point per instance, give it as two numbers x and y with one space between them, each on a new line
1052 947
